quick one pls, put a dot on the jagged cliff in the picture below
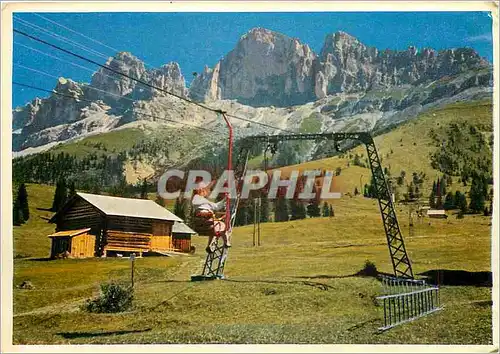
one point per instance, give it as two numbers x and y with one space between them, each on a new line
353 86
268 68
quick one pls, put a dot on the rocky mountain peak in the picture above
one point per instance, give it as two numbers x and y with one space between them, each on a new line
24 115
68 87
168 77
115 84
259 34
265 68
271 68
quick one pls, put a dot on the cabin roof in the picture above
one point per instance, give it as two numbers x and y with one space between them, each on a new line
136 208
69 233
436 212
181 228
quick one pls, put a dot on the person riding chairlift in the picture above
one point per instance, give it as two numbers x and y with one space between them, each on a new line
204 212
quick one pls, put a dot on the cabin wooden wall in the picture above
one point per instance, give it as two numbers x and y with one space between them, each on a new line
80 215
129 224
162 235
83 246
127 241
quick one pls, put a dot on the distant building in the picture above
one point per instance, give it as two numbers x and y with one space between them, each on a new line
118 225
437 213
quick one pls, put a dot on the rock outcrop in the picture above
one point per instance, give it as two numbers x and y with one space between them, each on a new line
111 87
58 109
169 78
205 86
265 68
115 84
347 65
268 68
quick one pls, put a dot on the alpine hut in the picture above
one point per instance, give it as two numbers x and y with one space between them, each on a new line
437 213
119 225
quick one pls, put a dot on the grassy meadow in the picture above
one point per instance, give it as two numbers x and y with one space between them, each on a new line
297 287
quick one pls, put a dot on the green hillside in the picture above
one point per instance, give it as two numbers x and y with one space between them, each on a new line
409 148
102 161
112 142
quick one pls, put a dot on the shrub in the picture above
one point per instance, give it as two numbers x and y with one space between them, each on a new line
369 269
113 298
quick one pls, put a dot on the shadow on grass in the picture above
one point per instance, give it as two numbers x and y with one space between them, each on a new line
458 277
309 283
75 335
369 270
40 259
45 209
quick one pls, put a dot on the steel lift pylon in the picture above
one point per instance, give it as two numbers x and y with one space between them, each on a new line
215 261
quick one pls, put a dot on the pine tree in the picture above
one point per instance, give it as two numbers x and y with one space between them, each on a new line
449 202
60 195
297 210
462 203
281 209
456 199
326 209
477 195
432 199
17 214
180 208
439 202
22 197
144 189
243 215
331 211
313 209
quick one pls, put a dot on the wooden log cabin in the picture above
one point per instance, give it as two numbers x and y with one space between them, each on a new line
120 225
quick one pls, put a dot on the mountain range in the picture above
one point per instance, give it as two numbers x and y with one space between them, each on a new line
268 77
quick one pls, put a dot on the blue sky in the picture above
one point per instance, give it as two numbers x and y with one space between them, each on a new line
196 39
